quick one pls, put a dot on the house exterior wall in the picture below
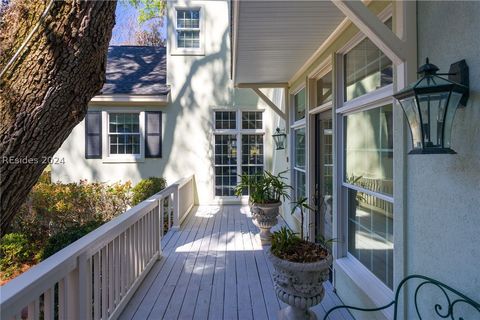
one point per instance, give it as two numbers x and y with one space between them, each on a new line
199 85
434 231
443 191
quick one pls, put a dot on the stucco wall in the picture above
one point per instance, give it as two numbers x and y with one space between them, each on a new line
443 198
199 84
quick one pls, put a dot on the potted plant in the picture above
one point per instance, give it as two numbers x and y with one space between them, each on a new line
265 193
300 268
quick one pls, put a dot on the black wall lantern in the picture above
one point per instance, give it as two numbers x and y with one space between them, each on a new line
430 104
280 138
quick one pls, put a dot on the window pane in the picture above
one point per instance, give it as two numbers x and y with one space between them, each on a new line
124 133
188 18
300 148
252 149
252 120
300 102
300 182
225 120
225 164
369 149
225 180
188 39
324 89
366 69
370 233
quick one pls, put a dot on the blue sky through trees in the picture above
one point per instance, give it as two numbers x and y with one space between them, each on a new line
127 25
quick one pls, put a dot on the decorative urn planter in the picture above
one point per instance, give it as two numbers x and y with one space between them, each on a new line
265 217
300 285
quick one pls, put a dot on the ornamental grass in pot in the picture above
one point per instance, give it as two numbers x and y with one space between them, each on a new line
265 193
300 269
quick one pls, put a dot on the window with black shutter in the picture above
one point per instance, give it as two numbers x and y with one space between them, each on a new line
93 135
153 134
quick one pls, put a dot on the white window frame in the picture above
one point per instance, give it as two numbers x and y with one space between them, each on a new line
324 68
119 158
322 71
295 125
189 51
238 131
364 278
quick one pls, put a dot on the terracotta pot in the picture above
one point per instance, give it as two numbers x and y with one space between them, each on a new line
265 217
300 285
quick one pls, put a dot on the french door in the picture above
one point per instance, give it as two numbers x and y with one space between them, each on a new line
323 183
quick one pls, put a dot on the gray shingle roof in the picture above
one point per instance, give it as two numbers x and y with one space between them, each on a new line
137 70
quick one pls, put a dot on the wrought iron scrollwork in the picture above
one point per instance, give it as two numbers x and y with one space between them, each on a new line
446 309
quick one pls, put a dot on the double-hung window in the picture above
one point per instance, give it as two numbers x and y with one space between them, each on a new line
188 33
238 148
367 195
299 143
124 133
123 136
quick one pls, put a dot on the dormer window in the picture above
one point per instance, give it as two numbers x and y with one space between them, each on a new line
188 31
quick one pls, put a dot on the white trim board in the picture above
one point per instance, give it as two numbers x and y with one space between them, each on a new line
377 291
161 100
368 23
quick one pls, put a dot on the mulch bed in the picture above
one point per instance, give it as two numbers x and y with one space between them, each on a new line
304 252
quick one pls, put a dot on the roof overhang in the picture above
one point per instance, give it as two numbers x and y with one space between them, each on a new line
272 40
275 41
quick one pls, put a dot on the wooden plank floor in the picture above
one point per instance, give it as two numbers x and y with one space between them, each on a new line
214 267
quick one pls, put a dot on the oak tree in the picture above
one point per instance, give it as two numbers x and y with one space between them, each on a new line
45 84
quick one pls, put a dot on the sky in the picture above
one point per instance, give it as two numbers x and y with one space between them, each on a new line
126 24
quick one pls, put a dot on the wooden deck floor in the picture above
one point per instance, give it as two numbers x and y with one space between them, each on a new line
214 267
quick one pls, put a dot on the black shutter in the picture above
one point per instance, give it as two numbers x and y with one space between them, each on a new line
153 134
93 135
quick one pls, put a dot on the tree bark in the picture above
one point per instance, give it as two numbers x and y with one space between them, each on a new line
45 93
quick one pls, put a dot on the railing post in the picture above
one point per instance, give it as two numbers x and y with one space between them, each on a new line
176 207
84 288
72 295
159 226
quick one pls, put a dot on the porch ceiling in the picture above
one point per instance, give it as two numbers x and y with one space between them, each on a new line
275 38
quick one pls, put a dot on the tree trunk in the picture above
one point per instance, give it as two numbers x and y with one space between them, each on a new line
45 93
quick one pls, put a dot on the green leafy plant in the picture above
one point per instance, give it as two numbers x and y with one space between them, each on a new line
15 250
283 241
147 188
263 188
302 205
148 9
325 242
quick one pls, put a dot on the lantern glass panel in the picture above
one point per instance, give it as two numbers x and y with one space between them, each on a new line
279 141
411 112
452 108
432 108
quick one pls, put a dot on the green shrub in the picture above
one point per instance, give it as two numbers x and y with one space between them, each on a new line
147 188
54 207
62 239
15 250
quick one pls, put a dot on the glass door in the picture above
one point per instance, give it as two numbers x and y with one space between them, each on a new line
323 176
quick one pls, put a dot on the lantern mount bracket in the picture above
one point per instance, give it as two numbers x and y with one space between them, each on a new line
459 73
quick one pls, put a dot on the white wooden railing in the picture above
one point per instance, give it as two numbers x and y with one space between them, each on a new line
95 277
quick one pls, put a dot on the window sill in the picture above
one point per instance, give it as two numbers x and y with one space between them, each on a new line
187 52
373 288
131 159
